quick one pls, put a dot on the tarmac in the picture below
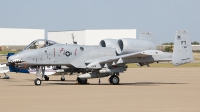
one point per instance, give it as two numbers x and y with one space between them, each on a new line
140 90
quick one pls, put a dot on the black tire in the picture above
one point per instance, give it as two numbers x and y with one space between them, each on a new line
110 79
81 81
114 79
62 79
46 78
37 82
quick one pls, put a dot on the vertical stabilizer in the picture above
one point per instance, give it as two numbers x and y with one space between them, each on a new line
182 49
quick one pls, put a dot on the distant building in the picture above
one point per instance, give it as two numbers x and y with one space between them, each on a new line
196 48
90 37
17 38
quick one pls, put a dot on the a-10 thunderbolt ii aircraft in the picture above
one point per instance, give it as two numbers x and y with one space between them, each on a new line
108 59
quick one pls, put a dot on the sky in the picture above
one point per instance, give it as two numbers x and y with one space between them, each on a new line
160 17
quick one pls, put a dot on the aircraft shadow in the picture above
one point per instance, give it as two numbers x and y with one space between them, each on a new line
4 79
121 84
150 83
62 81
53 80
74 82
9 80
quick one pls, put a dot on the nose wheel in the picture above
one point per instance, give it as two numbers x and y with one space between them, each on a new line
39 75
37 82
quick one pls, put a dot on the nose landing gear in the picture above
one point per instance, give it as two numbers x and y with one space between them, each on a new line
39 76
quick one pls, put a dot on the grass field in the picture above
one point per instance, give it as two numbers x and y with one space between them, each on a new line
6 52
196 56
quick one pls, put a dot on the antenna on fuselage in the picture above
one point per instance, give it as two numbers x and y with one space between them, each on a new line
73 39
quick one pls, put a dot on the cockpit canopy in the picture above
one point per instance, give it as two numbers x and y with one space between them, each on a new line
39 43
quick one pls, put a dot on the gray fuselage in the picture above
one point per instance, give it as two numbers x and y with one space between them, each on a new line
63 54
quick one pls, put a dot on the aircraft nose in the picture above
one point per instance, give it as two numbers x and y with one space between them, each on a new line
11 58
24 56
14 58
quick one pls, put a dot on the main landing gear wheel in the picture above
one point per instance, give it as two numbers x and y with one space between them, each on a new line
62 79
114 80
37 82
46 78
81 81
109 80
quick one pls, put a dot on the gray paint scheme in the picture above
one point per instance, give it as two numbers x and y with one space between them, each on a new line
100 61
182 49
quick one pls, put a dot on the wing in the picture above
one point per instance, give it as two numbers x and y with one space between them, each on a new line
182 54
144 56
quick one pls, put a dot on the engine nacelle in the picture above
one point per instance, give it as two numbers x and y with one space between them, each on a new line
128 45
108 43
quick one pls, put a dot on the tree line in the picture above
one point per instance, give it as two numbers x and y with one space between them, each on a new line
172 43
170 48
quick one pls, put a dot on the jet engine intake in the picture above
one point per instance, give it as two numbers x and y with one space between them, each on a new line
108 43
